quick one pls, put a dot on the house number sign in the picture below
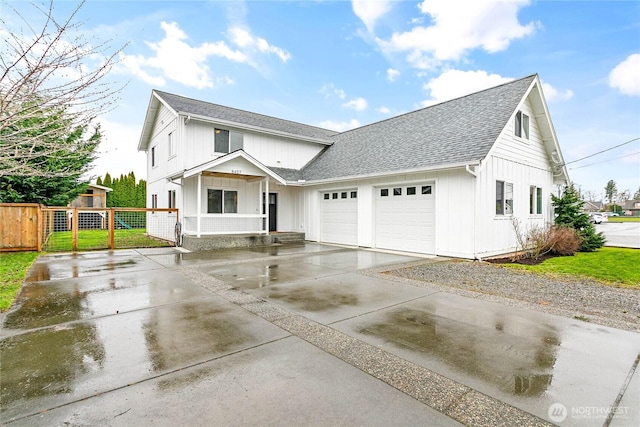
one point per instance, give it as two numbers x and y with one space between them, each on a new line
236 171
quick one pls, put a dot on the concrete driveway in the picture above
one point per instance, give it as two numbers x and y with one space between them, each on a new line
621 234
309 335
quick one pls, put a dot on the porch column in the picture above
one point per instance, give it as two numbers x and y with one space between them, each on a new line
266 205
199 204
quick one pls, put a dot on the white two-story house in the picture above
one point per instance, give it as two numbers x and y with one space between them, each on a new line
446 180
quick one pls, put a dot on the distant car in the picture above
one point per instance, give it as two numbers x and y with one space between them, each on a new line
597 218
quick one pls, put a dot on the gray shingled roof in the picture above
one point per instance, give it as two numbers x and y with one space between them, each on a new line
185 105
457 131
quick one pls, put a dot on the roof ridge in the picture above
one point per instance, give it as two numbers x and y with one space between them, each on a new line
243 111
436 105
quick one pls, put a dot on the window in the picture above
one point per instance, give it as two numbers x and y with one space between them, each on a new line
397 191
354 194
411 191
384 192
172 144
172 199
154 201
326 196
153 156
504 198
222 201
334 196
227 142
343 195
521 125
426 189
535 200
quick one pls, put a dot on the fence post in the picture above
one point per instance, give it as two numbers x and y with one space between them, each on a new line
40 232
74 229
112 229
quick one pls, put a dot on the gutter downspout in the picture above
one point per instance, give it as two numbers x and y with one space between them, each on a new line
475 204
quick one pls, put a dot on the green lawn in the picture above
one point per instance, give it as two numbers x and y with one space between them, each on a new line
99 239
13 269
614 266
624 219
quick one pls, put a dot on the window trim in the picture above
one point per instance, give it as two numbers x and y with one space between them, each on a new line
521 125
230 143
171 143
502 190
535 200
171 199
223 199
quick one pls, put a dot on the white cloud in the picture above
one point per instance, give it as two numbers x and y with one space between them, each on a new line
175 59
369 11
392 74
358 104
340 126
455 83
457 27
330 89
551 94
383 110
244 39
118 152
626 76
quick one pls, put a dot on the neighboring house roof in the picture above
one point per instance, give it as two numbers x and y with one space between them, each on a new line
229 116
460 131
592 206
100 187
632 205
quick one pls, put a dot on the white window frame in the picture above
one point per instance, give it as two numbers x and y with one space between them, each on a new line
223 200
235 141
521 125
171 143
504 198
171 202
535 200
153 157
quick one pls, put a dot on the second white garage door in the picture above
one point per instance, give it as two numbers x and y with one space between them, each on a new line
405 218
339 217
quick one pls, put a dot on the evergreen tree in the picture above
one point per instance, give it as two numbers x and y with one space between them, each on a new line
568 208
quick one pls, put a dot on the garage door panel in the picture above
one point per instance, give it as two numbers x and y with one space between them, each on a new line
339 218
406 222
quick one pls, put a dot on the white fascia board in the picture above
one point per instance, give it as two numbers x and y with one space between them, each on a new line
253 128
448 166
149 120
223 159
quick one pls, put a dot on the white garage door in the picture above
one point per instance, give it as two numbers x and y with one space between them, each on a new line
405 218
339 217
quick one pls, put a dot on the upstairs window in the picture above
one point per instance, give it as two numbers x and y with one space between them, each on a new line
227 141
171 142
153 156
504 198
521 125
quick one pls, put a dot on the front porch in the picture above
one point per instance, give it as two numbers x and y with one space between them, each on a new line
231 241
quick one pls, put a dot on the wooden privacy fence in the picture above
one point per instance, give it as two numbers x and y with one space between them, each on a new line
73 228
20 227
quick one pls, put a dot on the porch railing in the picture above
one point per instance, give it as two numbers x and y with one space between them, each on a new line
224 224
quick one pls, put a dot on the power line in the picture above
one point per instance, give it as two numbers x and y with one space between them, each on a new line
603 151
605 161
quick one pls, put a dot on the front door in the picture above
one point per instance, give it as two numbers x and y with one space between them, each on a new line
273 209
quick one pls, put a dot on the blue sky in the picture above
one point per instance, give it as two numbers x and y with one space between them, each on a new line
342 64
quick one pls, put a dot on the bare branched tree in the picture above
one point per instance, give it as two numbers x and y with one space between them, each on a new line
52 83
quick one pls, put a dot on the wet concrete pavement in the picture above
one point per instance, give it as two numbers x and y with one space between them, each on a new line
293 336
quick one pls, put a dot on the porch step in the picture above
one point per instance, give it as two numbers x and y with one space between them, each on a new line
288 238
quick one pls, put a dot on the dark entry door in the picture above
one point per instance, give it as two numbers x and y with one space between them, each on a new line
273 210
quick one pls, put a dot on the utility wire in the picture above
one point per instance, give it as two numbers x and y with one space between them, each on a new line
603 151
605 161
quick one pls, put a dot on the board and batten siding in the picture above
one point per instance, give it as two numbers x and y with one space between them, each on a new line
524 163
269 150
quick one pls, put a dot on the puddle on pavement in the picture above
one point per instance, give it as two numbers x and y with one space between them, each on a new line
52 270
315 298
517 365
48 362
65 362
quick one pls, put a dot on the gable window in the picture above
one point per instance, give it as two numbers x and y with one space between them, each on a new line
222 201
171 142
153 156
504 198
226 141
535 200
172 199
521 125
